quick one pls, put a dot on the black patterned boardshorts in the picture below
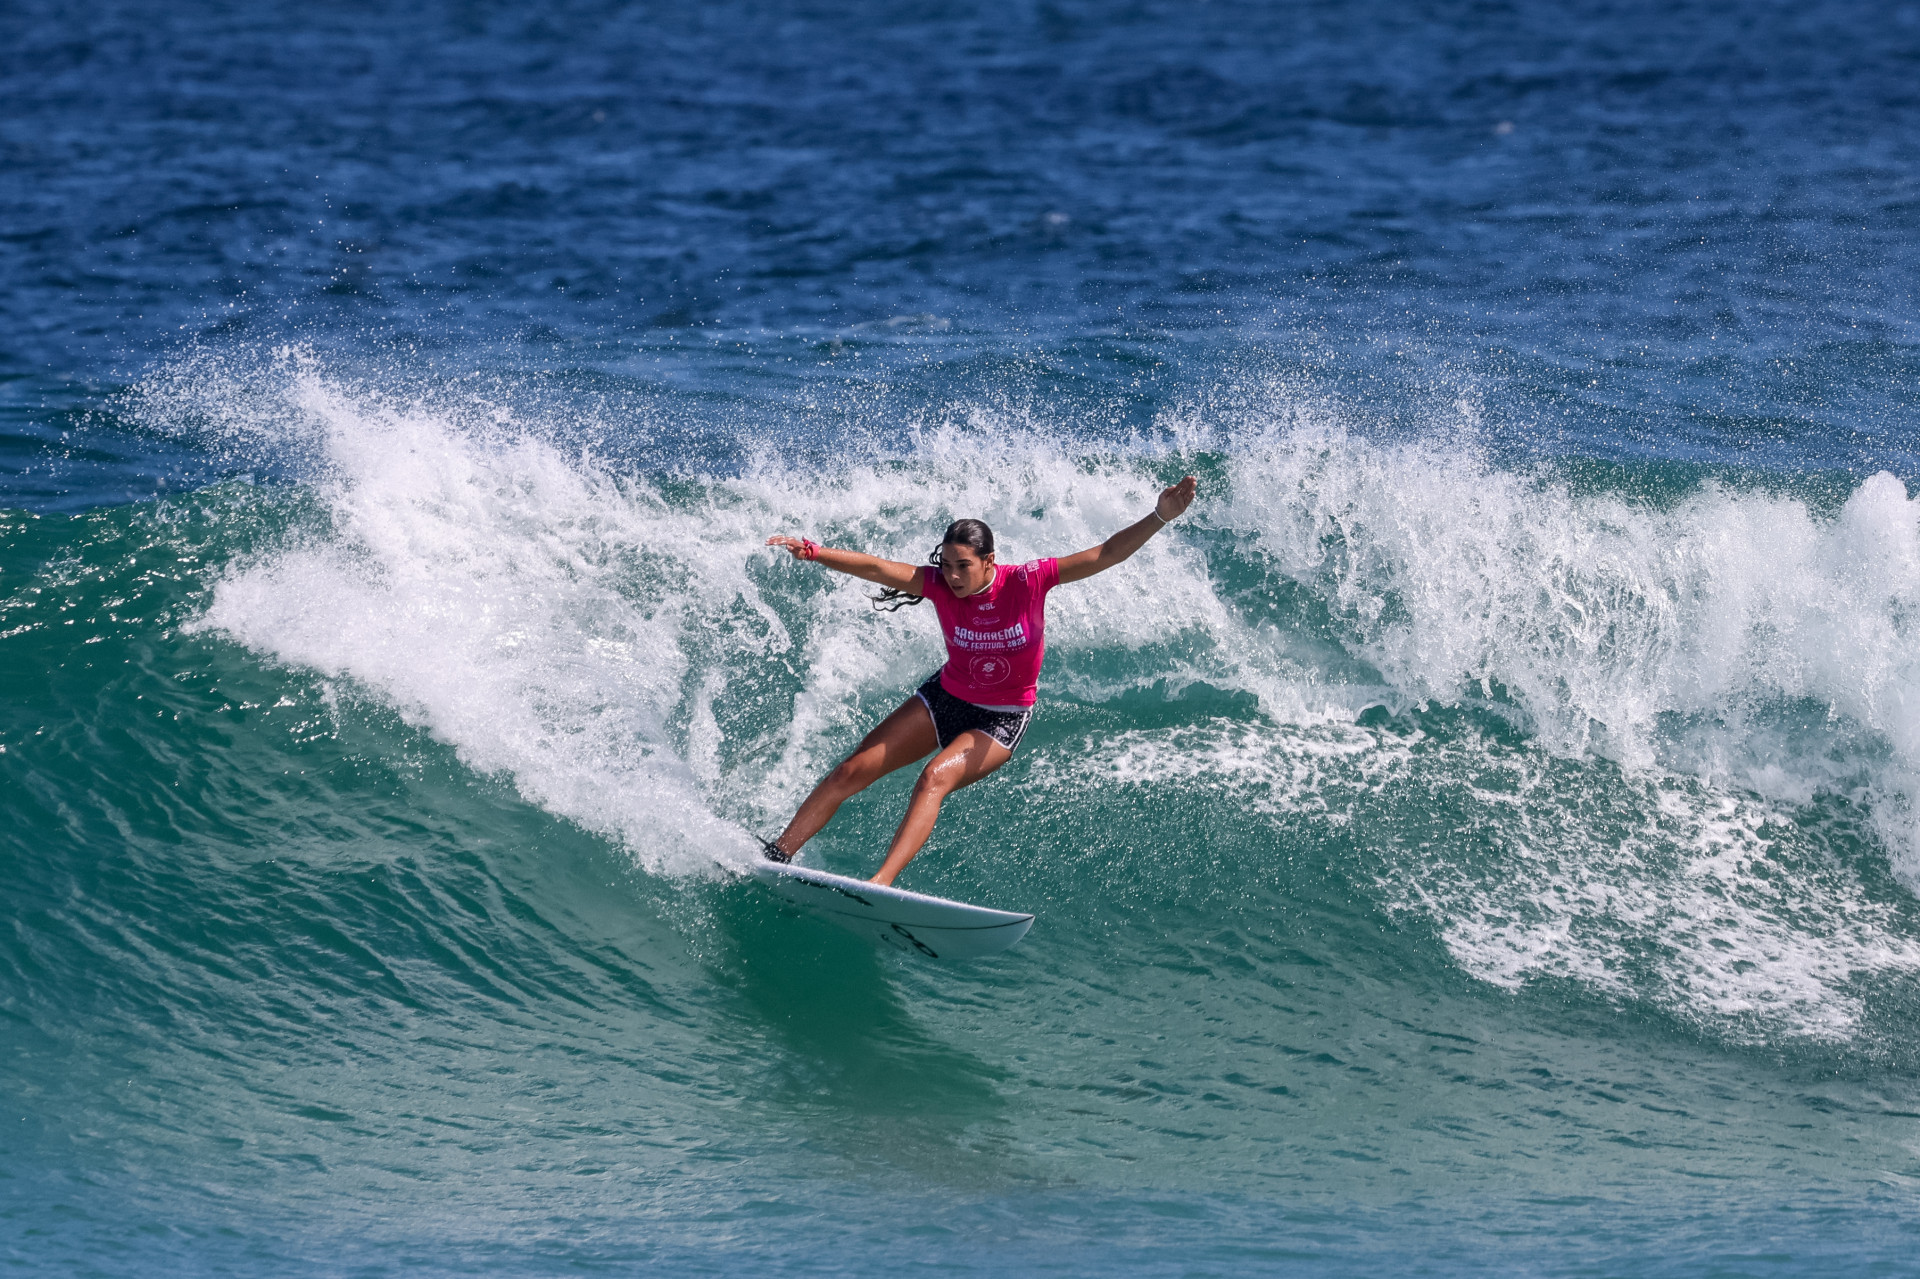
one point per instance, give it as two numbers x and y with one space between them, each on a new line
952 716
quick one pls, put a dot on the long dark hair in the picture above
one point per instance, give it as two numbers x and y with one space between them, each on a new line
973 533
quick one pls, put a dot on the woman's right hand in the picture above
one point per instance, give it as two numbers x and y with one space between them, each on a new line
797 545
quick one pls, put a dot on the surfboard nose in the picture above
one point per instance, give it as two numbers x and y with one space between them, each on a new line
948 943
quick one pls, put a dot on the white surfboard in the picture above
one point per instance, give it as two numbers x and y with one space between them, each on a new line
913 922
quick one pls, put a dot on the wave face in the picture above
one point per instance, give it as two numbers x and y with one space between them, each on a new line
1391 775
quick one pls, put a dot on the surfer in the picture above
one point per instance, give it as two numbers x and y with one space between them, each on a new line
971 714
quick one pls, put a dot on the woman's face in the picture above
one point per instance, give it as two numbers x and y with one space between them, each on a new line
965 570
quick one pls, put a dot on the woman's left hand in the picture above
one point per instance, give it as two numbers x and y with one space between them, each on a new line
1175 499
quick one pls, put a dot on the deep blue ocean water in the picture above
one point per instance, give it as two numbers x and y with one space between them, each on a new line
1482 835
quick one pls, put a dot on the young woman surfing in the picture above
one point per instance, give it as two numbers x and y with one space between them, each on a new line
971 715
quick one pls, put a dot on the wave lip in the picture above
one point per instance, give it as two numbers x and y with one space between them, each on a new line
495 592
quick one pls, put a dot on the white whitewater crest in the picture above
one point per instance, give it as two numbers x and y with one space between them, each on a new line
570 627
1734 653
627 651
1679 636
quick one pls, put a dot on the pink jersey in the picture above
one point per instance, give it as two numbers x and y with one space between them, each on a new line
996 639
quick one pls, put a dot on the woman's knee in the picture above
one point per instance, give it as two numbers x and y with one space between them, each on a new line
937 779
855 772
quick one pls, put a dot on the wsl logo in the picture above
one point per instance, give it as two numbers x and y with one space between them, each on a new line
988 668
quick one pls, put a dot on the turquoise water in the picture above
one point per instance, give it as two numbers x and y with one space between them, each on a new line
1480 835
387 905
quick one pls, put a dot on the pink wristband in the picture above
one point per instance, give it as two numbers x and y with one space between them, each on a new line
809 549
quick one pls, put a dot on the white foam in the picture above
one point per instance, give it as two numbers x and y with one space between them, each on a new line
1649 887
1677 895
601 638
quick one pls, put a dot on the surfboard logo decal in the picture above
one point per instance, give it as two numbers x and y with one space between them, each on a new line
918 945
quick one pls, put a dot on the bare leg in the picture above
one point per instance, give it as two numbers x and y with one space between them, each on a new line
898 740
966 759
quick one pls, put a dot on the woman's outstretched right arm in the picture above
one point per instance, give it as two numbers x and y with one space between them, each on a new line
871 568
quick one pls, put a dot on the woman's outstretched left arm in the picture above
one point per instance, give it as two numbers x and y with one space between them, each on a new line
1174 499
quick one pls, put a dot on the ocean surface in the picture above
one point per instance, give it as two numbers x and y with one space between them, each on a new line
1481 836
